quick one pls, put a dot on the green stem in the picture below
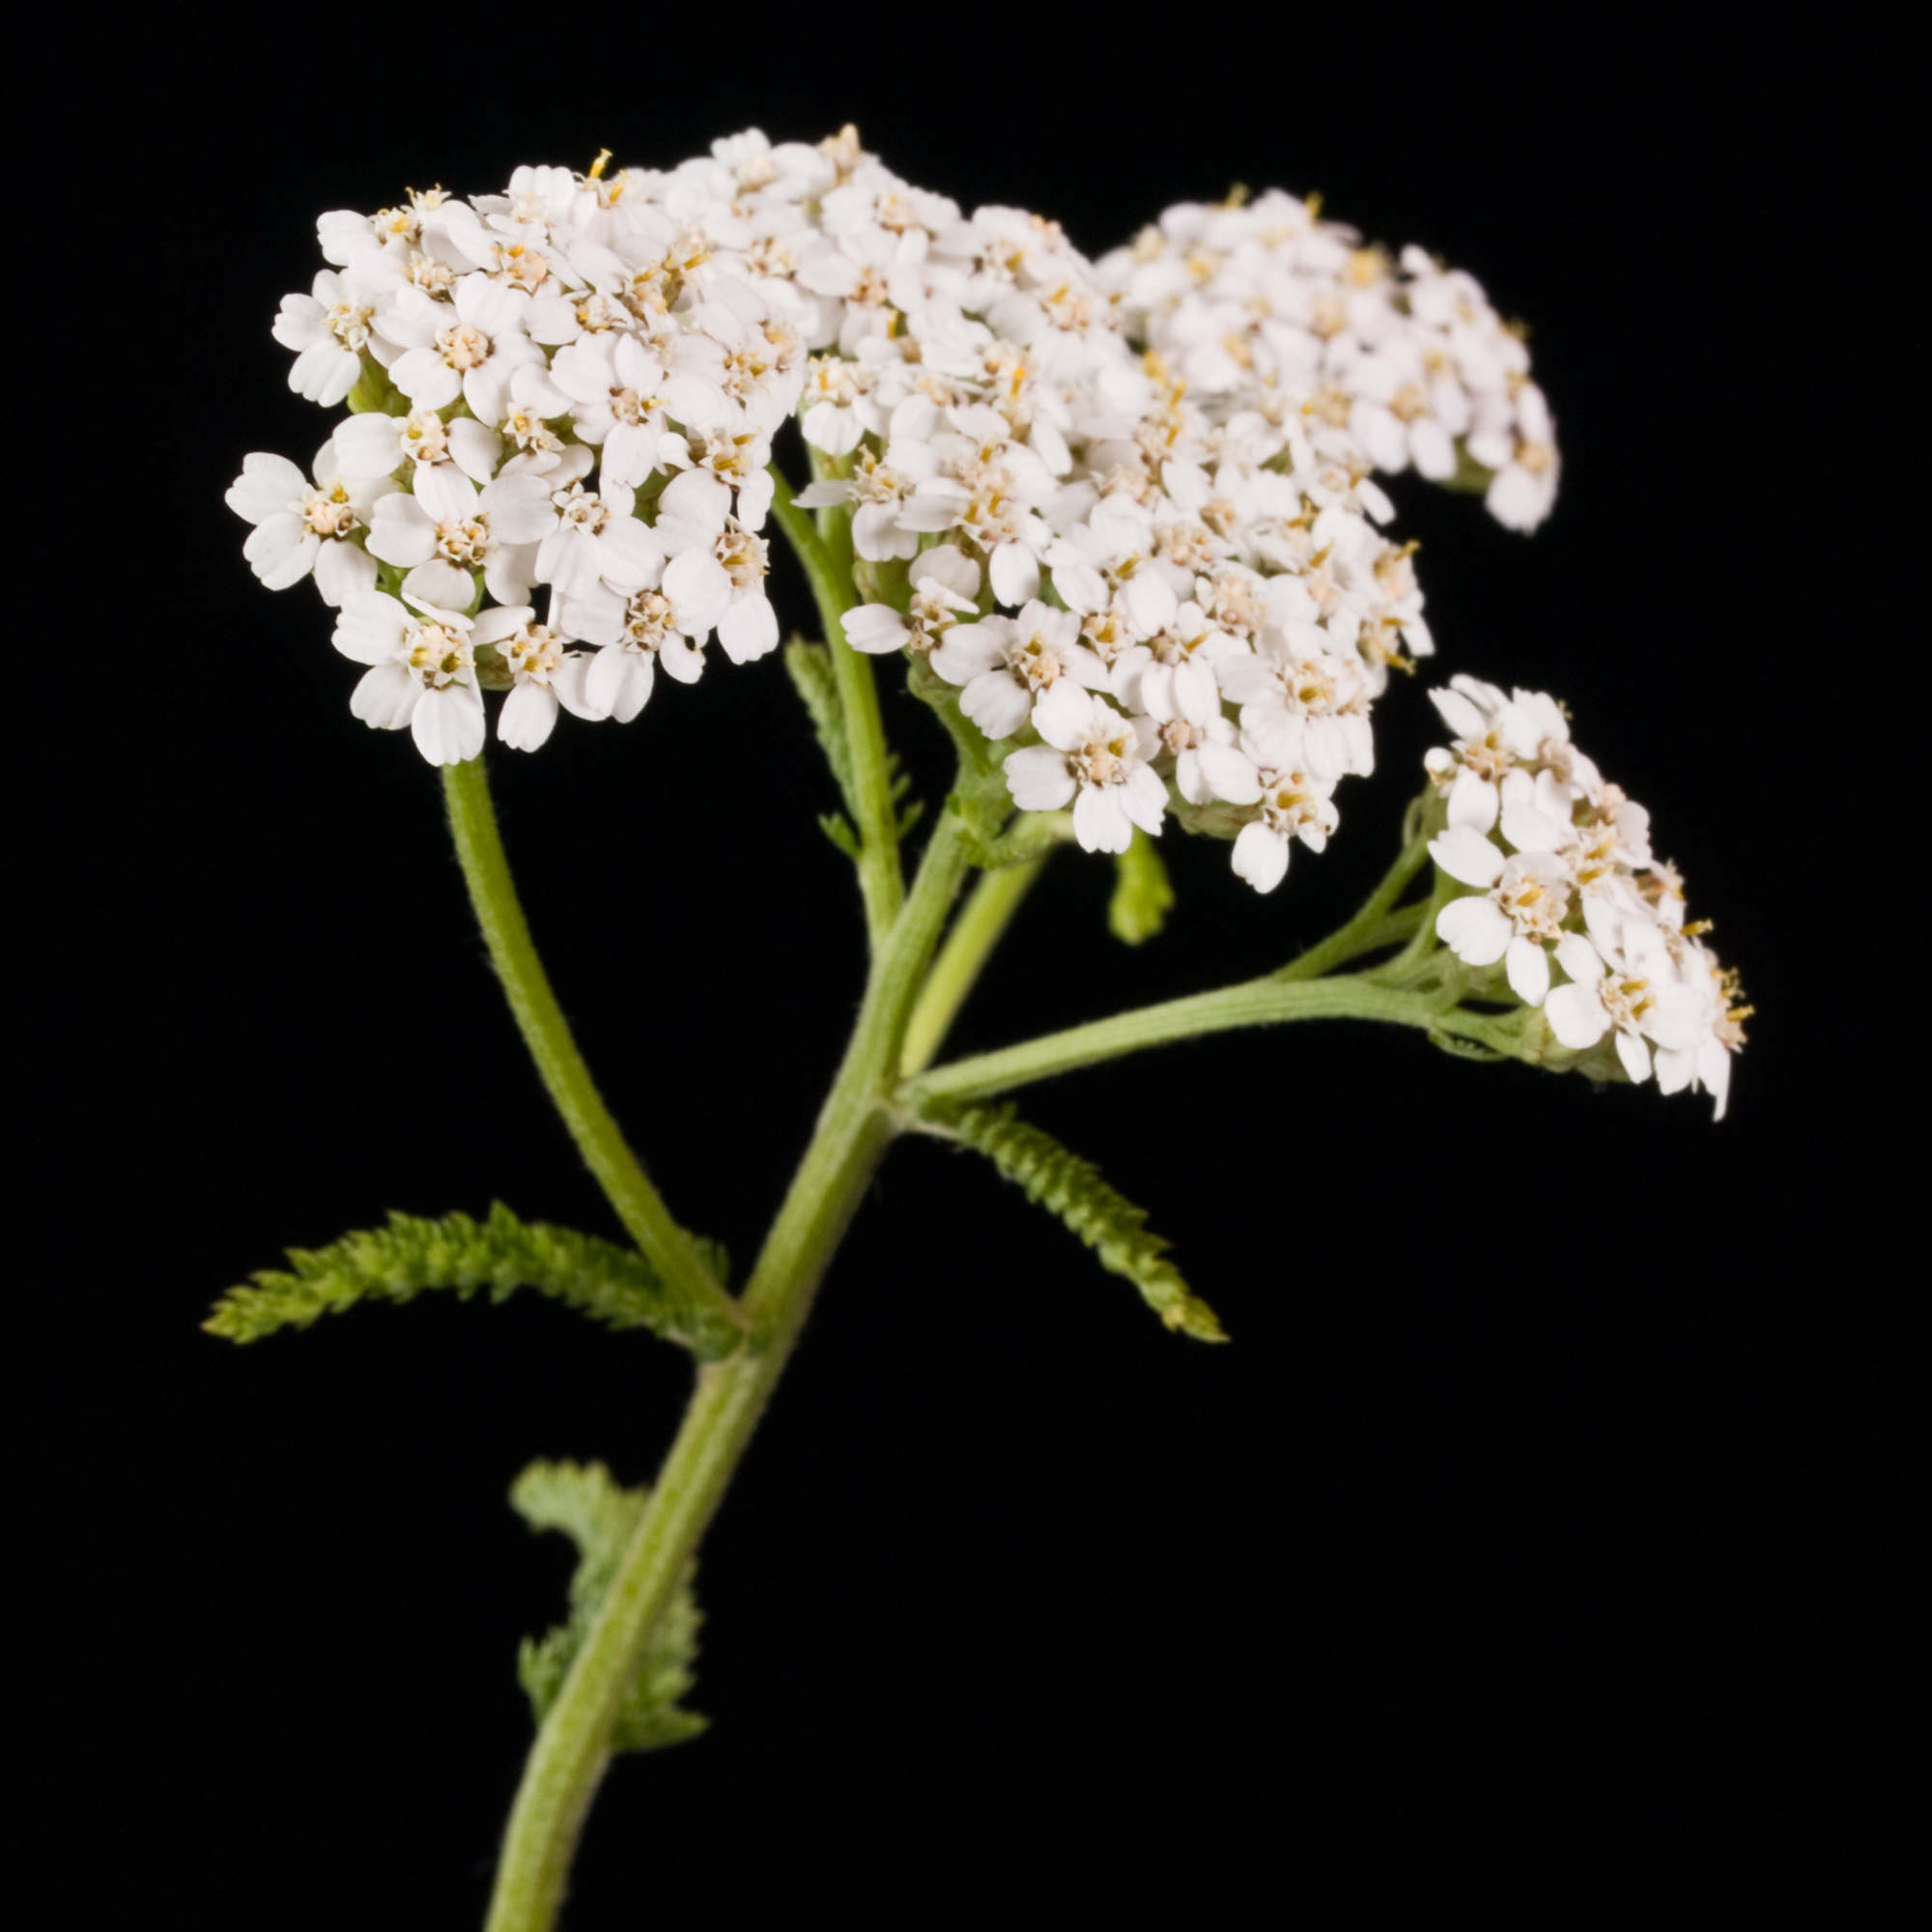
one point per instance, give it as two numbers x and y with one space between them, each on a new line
1420 959
981 923
1268 1002
492 892
828 565
1374 924
854 1128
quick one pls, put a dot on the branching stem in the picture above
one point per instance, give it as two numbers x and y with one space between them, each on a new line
909 1004
572 1747
981 924
1375 924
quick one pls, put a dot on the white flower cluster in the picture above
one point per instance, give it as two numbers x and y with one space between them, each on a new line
557 386
1260 307
1563 872
1179 607
1166 589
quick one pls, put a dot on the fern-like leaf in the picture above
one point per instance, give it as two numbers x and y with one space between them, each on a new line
817 685
590 1507
1060 1181
501 1254
838 828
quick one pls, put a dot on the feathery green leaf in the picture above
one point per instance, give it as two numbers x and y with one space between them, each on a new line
501 1254
590 1507
838 828
817 685
1060 1181
1142 893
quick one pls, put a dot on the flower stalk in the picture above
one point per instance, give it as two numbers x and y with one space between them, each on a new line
492 893
1268 1002
855 1127
981 924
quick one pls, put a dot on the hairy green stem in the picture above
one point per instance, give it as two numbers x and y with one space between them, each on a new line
1374 924
1268 1002
854 1128
492 892
981 924
826 554
1420 959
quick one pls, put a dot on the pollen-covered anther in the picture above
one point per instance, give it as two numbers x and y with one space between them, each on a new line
1102 761
464 347
328 512
464 541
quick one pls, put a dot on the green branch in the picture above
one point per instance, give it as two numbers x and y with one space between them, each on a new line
1270 1002
981 924
492 892
1375 924
1267 1001
829 569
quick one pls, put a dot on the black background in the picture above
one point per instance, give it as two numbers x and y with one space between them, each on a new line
1530 1555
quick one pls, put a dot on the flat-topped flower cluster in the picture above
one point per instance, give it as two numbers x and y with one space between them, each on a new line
1265 309
1168 587
1562 875
550 391
1162 608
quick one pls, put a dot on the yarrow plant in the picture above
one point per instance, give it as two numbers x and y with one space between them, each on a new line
1119 521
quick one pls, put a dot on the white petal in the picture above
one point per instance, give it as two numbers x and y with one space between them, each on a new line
1575 1016
1474 930
997 702
475 448
1459 713
628 555
1100 820
1635 1055
1261 857
1016 574
748 629
447 725
1528 970
1081 587
1038 778
970 649
1232 776
875 628
1467 856
950 568
699 590
1146 799
439 583
384 698
269 486
528 718
1578 958
1529 829
1472 801
342 571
